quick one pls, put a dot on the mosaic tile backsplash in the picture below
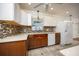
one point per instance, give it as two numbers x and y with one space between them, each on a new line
8 28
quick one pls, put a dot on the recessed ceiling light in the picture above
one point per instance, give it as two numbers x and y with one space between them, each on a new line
67 12
51 8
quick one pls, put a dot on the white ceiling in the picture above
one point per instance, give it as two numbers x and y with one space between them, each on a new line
58 8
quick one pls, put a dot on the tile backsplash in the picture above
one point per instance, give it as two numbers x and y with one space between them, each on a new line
45 29
8 28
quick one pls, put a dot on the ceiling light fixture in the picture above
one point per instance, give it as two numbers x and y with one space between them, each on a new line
51 8
67 12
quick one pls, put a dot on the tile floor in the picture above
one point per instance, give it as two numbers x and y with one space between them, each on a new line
51 50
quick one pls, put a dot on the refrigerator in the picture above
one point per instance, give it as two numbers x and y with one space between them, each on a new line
65 29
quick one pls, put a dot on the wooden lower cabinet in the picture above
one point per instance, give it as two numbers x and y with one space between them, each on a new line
57 38
37 40
18 48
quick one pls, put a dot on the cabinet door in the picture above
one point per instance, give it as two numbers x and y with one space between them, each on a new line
51 39
13 48
42 40
37 40
57 38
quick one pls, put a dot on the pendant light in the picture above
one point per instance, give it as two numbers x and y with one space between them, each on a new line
37 14
70 17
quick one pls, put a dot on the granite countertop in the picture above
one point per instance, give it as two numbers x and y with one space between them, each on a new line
14 38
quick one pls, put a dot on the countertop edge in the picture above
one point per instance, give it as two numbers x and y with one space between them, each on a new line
14 38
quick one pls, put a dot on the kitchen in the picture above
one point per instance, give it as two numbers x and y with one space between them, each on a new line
25 27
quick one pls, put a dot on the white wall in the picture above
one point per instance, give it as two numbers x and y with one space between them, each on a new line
52 20
6 11
75 27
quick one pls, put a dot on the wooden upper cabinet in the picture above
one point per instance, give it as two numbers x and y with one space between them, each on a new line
37 40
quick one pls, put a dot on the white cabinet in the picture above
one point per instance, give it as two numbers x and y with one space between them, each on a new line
7 11
51 39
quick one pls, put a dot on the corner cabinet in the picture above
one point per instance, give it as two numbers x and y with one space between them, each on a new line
37 40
